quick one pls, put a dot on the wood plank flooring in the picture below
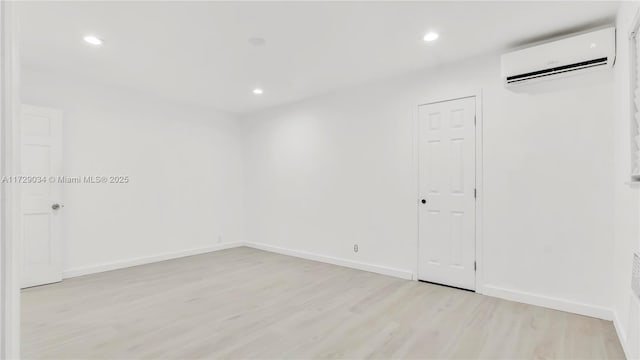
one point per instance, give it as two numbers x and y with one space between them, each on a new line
246 303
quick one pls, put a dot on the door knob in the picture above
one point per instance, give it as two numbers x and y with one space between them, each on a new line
56 206
424 201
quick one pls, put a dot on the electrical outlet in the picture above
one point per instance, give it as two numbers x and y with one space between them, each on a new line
355 248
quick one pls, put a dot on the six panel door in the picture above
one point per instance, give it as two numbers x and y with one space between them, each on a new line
447 193
41 130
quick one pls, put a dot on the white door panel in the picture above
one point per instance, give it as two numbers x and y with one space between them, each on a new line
41 130
447 193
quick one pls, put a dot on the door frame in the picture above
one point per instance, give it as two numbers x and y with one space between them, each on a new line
10 225
479 176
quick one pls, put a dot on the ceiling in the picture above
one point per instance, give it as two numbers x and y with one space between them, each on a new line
200 53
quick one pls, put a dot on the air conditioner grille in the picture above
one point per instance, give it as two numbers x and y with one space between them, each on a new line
635 276
557 70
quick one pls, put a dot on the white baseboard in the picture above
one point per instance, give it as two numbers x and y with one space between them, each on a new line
622 334
120 264
489 290
548 302
384 270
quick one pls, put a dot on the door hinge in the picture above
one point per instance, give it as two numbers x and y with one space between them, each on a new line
475 266
474 120
475 193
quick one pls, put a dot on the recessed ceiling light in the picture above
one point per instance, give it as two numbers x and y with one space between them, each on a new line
257 41
93 40
430 36
258 91
593 45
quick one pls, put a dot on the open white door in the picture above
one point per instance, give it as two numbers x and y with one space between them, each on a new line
41 164
447 193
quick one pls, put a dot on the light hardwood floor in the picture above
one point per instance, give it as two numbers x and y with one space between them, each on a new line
247 303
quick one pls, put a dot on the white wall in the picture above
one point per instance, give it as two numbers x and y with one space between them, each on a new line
627 198
340 169
185 166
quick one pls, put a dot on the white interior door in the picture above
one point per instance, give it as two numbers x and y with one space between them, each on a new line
447 193
41 131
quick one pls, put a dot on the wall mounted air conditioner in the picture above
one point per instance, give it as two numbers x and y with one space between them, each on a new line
572 55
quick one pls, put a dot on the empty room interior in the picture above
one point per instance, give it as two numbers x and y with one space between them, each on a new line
306 180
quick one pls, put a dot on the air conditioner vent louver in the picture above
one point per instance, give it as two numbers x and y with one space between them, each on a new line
635 275
568 56
557 70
